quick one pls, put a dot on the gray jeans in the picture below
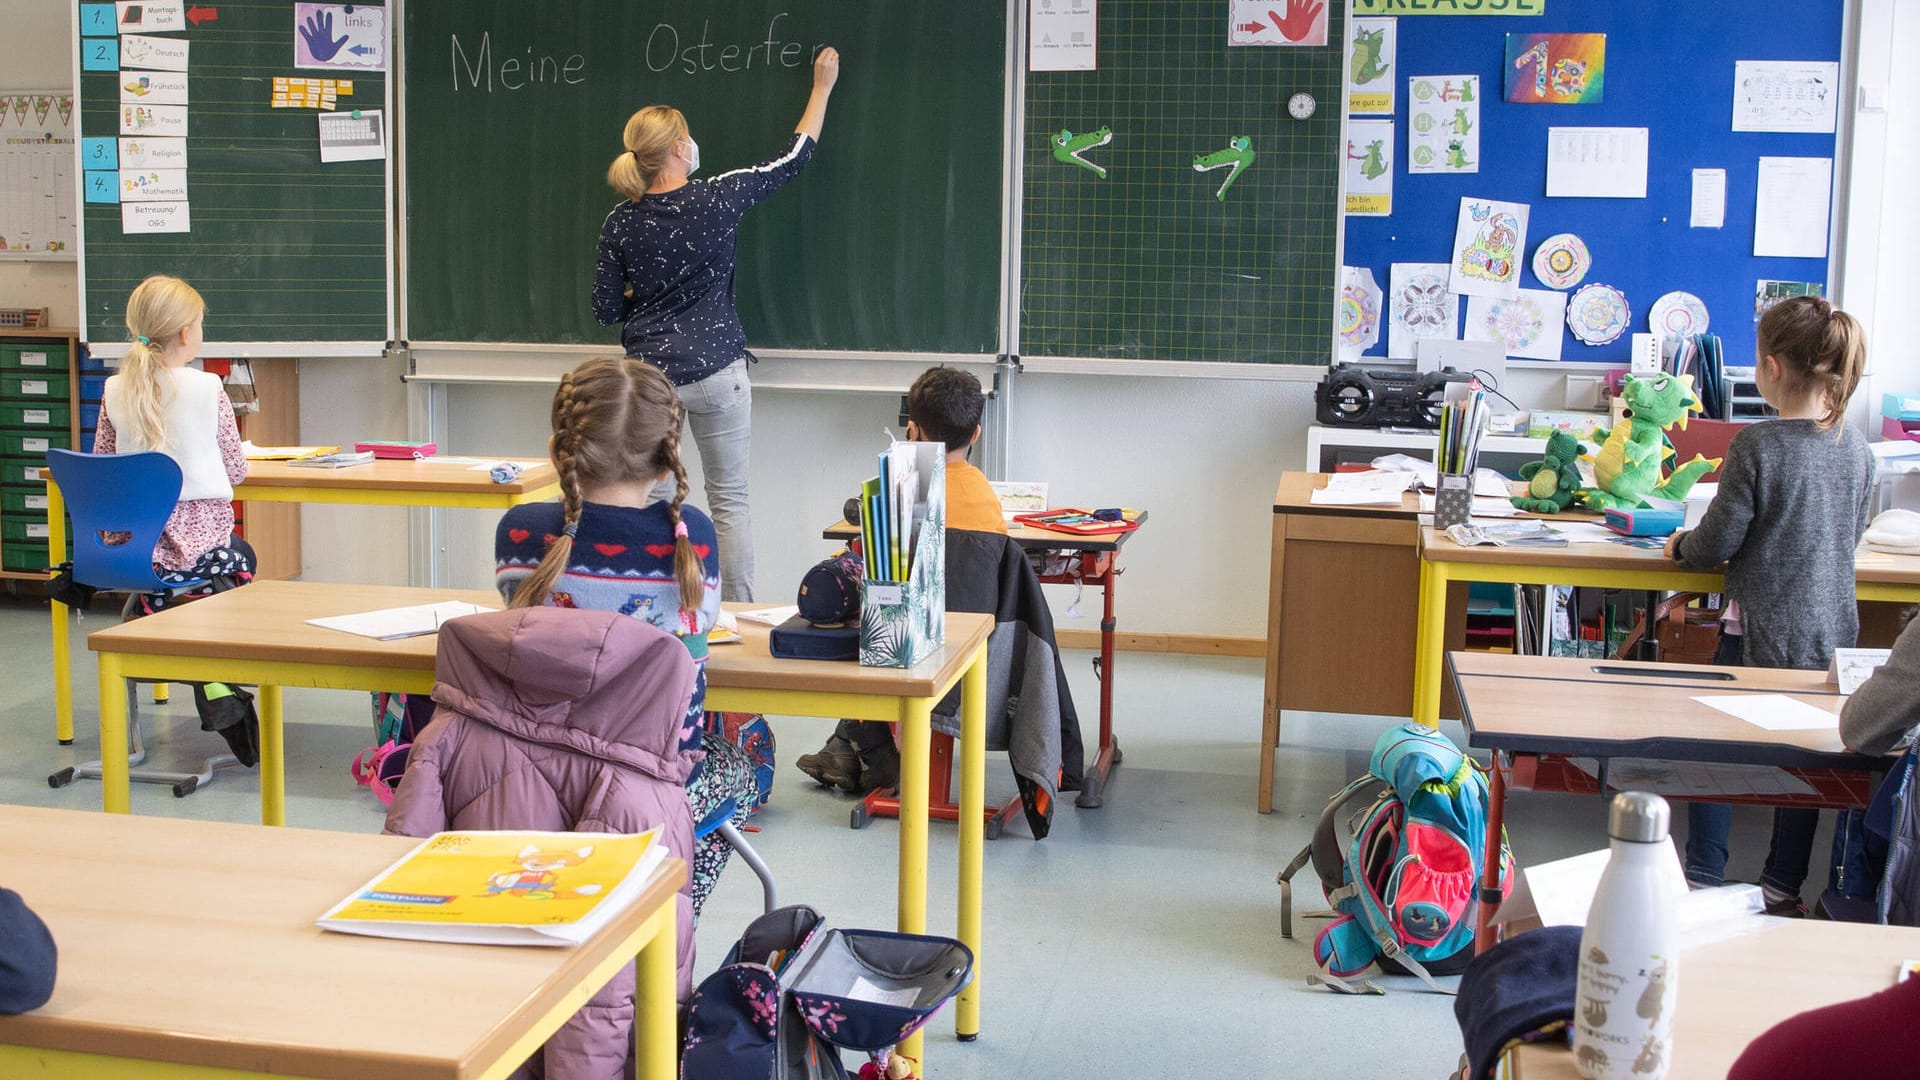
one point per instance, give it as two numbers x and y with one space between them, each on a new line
720 413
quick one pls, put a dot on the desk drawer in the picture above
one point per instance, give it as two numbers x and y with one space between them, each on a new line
31 414
34 357
33 444
23 500
28 528
34 385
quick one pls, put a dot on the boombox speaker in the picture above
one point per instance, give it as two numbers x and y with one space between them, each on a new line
1352 396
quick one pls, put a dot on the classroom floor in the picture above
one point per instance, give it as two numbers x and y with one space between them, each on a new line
1139 939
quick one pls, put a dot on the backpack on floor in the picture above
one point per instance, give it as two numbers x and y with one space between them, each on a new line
1403 875
398 719
752 734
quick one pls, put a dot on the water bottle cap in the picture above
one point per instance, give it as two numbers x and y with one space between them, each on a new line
1639 816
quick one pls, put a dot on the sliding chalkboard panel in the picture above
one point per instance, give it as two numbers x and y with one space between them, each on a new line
1148 263
890 240
287 251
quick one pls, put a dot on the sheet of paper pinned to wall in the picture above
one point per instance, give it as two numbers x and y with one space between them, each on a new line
360 135
1709 208
1790 207
1597 162
1369 167
1785 95
1062 35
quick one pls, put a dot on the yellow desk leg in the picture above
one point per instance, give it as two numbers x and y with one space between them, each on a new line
1430 642
273 759
116 796
973 813
656 1011
62 660
916 748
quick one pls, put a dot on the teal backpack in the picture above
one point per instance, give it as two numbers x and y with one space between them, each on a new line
1402 877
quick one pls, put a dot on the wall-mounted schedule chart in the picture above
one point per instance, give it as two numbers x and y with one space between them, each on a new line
201 131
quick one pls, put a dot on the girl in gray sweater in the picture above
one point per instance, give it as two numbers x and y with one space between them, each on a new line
1791 508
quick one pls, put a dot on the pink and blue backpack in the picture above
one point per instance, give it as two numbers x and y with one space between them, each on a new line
1402 875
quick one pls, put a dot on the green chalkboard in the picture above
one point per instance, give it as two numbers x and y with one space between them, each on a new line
890 240
1148 263
285 249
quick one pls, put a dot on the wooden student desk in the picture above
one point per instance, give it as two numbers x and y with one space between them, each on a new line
434 482
1734 989
259 635
188 950
1094 561
1534 711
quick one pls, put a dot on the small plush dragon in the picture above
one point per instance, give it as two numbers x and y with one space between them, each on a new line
1238 154
1067 148
1628 466
1554 481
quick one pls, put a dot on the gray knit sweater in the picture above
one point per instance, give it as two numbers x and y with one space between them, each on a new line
1886 709
1791 508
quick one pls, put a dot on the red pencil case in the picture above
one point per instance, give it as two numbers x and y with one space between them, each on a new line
405 451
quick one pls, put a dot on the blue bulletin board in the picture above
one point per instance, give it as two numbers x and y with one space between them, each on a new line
1670 69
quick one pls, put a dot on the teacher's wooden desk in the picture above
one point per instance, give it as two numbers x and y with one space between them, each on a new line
188 952
433 482
1734 989
259 635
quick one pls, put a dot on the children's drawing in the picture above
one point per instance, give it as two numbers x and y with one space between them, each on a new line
537 876
1598 314
1420 307
1236 156
1067 148
1370 65
1358 316
1556 69
1561 260
1443 117
1677 314
1277 22
1487 242
1369 167
1526 325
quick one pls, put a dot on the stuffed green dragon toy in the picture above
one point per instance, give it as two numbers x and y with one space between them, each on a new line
1627 468
1554 481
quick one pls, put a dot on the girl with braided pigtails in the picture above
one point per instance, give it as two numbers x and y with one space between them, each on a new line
608 545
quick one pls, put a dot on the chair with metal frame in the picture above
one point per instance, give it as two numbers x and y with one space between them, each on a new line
720 820
131 495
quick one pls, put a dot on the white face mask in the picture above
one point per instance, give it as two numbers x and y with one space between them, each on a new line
693 157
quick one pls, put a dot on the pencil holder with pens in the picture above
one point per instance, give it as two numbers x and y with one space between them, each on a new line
903 600
1452 500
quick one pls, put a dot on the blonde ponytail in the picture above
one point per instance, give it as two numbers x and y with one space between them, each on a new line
160 309
649 139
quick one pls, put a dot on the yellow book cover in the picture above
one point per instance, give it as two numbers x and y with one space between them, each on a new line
530 888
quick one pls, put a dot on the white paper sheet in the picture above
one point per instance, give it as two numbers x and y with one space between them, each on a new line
772 616
1371 73
1483 506
1374 488
153 120
1369 165
360 135
1530 324
389 624
1420 306
1584 532
1489 244
1357 315
1791 203
1063 36
1443 124
1774 712
155 217
1785 95
1597 162
1709 208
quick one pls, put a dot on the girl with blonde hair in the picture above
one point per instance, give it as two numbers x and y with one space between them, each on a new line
665 271
157 402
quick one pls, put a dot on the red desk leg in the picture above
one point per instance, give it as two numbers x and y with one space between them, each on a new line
940 805
1490 859
1099 569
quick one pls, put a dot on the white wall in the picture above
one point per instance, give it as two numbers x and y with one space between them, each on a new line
1203 455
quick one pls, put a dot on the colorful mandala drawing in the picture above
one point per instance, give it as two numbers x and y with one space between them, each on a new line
1598 314
1516 323
1359 315
1561 261
1677 314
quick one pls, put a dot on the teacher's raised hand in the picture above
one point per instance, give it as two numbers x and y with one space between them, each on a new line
826 72
826 68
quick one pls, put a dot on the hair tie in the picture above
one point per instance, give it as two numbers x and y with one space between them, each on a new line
572 528
680 530
142 339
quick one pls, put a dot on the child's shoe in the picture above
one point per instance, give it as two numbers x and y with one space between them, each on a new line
1782 904
837 765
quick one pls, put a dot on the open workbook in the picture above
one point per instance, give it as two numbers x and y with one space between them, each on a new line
503 888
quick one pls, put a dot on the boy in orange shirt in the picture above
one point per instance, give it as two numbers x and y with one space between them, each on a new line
943 405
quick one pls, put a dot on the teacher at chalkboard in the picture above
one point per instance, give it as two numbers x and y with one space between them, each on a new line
666 271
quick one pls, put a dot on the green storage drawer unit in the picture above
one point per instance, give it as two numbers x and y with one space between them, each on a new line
34 385
34 356
22 470
24 528
35 414
35 444
23 500
24 557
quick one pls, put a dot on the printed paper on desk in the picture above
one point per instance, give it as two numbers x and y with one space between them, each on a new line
390 624
1774 712
772 616
1851 667
1364 489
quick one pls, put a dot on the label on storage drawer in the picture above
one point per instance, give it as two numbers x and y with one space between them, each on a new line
39 530
34 387
33 359
30 473
36 502
36 416
33 446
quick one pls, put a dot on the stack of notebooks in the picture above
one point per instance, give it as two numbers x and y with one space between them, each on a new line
891 514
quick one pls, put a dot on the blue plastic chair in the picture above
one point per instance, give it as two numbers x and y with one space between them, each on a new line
720 820
124 493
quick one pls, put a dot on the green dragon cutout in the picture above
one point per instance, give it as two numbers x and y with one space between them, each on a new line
1367 46
1627 468
1373 164
1553 482
1237 155
1067 148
